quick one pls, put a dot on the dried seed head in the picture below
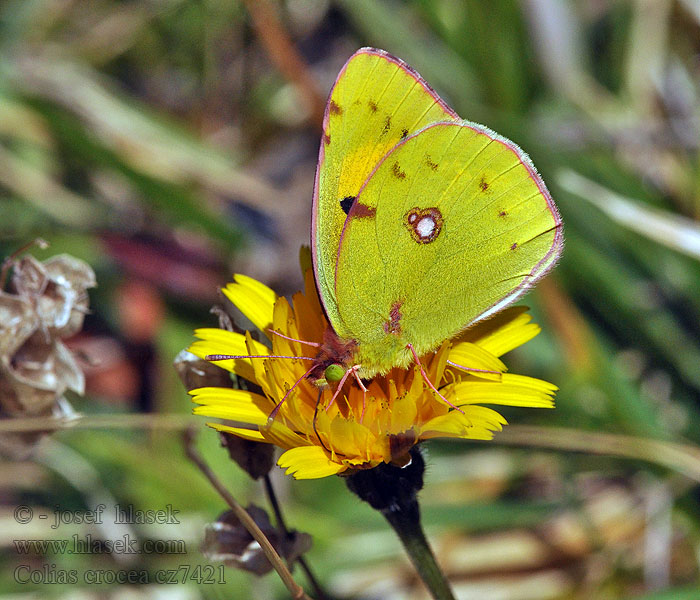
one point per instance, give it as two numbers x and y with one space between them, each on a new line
227 541
46 302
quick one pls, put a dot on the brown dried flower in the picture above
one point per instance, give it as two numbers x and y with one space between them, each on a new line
227 541
45 303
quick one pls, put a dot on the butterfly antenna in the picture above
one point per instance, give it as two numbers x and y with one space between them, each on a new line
452 364
291 339
355 369
318 402
427 380
271 417
215 357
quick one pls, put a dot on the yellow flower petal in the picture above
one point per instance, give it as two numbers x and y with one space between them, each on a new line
234 405
404 411
249 434
220 341
351 439
472 424
310 326
308 462
256 287
305 259
507 330
482 416
282 436
228 340
255 300
473 356
513 390
257 364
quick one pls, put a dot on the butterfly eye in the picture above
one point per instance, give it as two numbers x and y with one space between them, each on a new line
334 372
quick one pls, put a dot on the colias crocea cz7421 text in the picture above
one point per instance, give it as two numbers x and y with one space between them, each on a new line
423 223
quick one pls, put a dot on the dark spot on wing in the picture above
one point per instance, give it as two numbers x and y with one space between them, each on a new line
396 170
326 138
430 163
387 125
372 105
335 108
346 204
424 224
503 213
362 211
404 133
393 325
514 246
483 184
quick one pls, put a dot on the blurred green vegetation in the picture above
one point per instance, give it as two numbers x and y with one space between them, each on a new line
159 142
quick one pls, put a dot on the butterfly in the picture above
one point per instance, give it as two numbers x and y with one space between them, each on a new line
422 223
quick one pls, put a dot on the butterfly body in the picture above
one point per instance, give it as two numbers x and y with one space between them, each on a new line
423 223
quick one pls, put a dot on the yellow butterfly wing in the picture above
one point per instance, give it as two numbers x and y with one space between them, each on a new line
452 225
376 101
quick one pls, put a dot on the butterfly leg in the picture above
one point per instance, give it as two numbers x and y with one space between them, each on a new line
364 404
273 414
355 369
471 370
291 339
351 371
427 379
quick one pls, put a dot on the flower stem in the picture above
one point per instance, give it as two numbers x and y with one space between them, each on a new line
393 491
272 497
296 591
414 541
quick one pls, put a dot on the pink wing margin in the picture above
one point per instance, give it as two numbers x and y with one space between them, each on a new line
550 259
322 149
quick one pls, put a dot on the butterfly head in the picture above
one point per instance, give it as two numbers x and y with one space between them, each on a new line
334 358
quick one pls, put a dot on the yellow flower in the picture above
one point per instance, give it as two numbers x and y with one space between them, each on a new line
358 430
